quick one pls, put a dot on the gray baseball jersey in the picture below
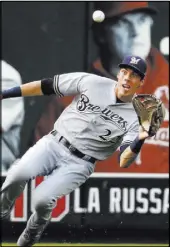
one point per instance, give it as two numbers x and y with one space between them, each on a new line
94 122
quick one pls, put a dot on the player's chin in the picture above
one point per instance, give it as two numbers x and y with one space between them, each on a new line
126 91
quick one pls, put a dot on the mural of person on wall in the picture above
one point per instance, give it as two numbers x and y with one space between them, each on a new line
12 117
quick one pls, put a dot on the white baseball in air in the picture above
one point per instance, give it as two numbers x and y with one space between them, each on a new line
98 16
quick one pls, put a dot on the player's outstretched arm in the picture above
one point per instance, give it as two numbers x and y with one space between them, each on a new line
35 88
128 153
151 113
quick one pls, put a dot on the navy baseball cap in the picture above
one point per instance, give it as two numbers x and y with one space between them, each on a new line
136 63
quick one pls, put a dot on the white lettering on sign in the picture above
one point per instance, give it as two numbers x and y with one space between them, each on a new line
140 200
165 207
157 208
77 208
93 201
115 198
128 204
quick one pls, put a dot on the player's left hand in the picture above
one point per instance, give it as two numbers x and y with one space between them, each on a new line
150 112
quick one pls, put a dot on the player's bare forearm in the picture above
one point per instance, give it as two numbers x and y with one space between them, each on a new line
31 89
129 155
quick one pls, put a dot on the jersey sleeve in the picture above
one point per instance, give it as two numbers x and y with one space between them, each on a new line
131 134
73 83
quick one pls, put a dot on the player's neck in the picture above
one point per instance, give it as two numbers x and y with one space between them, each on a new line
122 98
119 101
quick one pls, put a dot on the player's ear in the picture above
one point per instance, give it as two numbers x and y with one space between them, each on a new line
141 83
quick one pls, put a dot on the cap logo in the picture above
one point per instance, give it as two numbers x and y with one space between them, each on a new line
134 60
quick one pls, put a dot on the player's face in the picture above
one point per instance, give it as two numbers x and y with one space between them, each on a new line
131 34
128 82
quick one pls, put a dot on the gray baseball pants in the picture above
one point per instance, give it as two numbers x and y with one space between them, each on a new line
65 173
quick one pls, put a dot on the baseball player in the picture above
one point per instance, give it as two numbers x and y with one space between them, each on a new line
100 119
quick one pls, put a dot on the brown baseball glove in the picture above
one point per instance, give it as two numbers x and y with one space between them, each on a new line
150 112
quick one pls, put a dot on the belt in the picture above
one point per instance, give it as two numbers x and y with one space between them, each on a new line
72 149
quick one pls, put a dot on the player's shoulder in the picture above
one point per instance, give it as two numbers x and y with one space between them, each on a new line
94 79
88 76
99 77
